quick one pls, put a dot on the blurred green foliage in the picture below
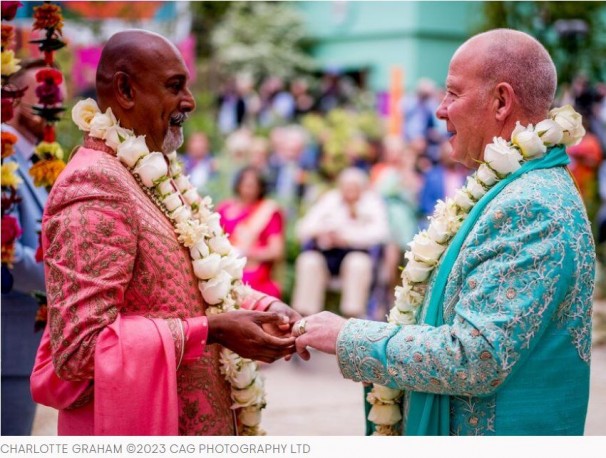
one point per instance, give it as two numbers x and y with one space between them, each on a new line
262 39
343 134
572 52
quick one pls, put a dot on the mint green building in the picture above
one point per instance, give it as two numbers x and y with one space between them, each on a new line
371 37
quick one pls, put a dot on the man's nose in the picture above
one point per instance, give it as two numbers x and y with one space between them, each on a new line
188 103
441 111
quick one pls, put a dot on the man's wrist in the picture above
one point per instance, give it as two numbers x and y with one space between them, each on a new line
215 330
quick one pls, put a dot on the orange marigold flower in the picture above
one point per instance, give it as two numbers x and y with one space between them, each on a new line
48 16
45 173
8 140
8 35
8 254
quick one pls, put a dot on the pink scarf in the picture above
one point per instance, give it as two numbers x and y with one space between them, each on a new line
135 387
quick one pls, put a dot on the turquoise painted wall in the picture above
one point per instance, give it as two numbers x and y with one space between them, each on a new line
420 37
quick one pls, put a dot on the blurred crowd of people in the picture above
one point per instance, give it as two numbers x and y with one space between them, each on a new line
348 231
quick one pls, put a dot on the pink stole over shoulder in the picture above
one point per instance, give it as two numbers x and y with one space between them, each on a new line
135 383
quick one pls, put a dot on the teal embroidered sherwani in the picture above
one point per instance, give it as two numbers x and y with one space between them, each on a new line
514 351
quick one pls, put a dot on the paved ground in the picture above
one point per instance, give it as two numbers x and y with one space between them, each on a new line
312 399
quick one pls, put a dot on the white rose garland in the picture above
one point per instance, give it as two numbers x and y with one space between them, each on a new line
214 261
501 158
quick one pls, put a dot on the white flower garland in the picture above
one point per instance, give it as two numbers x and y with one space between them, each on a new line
215 263
501 158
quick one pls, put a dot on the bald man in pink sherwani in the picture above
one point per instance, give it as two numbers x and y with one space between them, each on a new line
128 349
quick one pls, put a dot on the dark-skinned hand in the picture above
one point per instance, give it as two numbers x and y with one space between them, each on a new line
242 332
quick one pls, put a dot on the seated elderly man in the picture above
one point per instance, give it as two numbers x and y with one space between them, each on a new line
340 228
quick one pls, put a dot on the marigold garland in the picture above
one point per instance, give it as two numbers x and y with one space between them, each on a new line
9 180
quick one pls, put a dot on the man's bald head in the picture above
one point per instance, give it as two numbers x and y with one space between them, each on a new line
510 56
134 52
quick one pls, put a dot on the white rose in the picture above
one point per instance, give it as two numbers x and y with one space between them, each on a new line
220 244
244 376
550 132
172 156
182 183
172 201
166 187
251 395
116 134
199 250
401 318
191 196
131 150
501 157
233 265
101 123
463 200
438 230
426 249
207 267
407 300
181 214
527 140
448 214
417 271
474 188
151 168
385 394
250 416
84 112
385 414
571 122
486 175
215 290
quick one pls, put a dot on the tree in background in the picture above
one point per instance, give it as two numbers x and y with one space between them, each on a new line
262 39
574 33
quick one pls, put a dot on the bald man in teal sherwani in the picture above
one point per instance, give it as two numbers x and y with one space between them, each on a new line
503 341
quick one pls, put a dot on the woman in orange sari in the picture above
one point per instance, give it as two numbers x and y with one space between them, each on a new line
255 225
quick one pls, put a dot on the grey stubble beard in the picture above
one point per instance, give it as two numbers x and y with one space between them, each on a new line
172 140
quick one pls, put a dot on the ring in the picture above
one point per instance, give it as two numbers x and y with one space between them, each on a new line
301 326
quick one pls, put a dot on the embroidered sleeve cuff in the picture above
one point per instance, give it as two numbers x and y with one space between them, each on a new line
196 336
357 352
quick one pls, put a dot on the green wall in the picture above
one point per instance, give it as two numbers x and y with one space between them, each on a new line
420 37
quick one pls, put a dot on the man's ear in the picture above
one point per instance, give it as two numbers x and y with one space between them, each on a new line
504 101
123 90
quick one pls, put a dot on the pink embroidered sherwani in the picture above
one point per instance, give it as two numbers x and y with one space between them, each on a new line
110 253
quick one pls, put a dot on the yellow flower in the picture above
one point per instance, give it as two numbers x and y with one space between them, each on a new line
8 177
45 173
46 150
10 64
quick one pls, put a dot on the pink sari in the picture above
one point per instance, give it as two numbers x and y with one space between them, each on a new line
249 229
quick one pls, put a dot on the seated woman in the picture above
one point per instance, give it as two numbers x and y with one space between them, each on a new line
255 226
339 232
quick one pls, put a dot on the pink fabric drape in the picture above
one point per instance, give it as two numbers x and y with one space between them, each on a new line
125 403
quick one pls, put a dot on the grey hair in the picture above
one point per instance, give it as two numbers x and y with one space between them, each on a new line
522 61
353 175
